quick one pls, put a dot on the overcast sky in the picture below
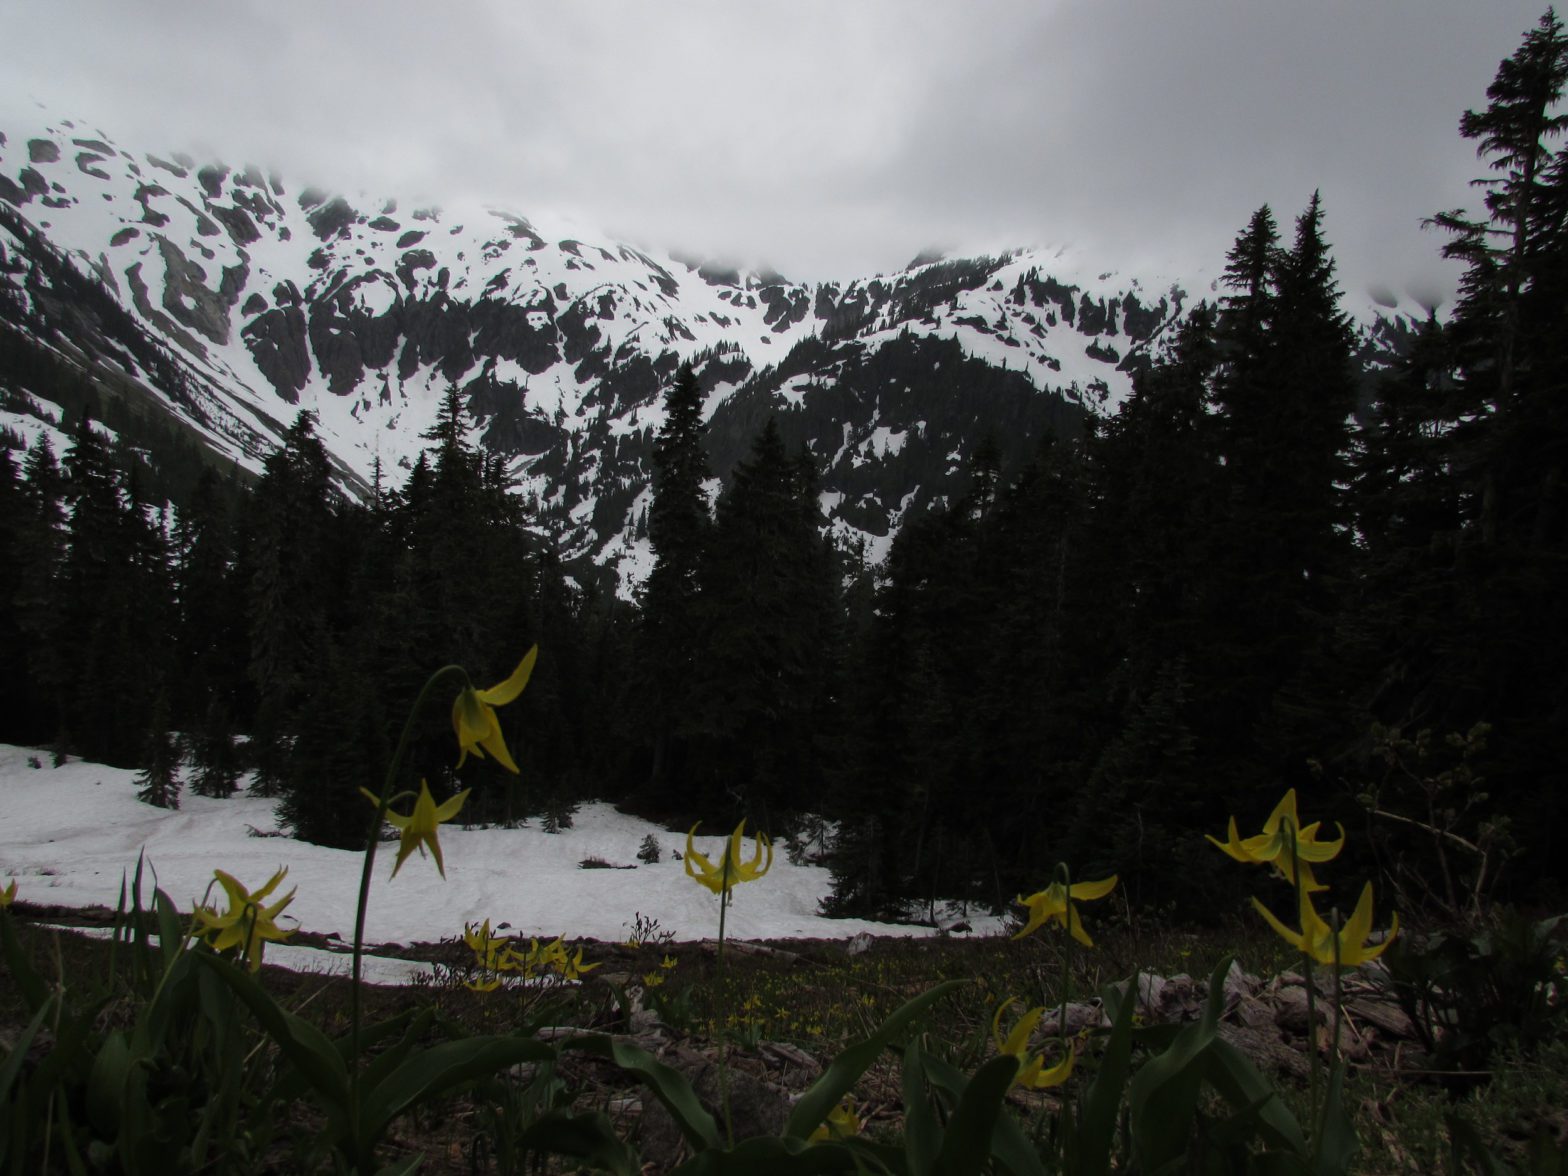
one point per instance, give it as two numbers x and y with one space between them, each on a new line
828 138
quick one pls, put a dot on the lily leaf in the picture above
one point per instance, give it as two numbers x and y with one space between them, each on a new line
432 1071
845 1070
668 1085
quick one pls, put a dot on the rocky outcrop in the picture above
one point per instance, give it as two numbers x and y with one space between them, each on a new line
278 341
190 301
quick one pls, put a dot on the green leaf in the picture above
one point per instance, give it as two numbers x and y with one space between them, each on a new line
1091 1143
1163 1094
429 1072
31 985
922 1135
106 1084
589 1137
1243 1085
12 1065
1336 1133
171 935
967 1144
1009 1146
305 1046
667 1084
845 1070
388 1060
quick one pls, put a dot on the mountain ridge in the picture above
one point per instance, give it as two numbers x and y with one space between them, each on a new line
255 300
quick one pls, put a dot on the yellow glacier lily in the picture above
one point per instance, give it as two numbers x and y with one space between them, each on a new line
8 895
1273 846
841 1123
730 871
1031 1071
247 924
1055 903
1348 949
491 952
574 968
473 715
418 829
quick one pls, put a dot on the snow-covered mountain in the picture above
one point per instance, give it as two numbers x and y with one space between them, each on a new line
230 300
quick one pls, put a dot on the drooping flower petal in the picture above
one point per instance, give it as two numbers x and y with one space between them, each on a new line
247 924
1317 939
1284 844
507 691
419 828
1031 1071
1054 904
730 870
474 720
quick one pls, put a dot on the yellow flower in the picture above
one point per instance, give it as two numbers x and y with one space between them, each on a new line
491 952
8 895
652 979
574 968
841 1123
669 962
247 924
1349 949
473 715
1031 1071
1273 845
1055 902
418 829
730 871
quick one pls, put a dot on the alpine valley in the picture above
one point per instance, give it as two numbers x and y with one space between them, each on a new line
210 304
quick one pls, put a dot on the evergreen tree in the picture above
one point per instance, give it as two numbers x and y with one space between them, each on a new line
678 523
40 552
289 559
157 782
340 748
768 611
211 643
108 642
1284 391
1506 446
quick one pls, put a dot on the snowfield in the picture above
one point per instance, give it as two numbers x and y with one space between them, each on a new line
70 834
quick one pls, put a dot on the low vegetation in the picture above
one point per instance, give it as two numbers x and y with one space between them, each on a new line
1021 1054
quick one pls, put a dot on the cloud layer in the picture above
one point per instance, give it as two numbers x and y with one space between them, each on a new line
824 138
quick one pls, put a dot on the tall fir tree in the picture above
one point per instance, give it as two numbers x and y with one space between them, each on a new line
678 525
40 554
767 613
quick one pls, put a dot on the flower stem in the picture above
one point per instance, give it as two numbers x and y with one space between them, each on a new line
368 871
1306 968
724 1003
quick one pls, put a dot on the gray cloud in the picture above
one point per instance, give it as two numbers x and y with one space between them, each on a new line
825 138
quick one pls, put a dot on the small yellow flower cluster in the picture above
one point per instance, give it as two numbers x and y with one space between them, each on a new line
657 977
1291 849
247 924
498 959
